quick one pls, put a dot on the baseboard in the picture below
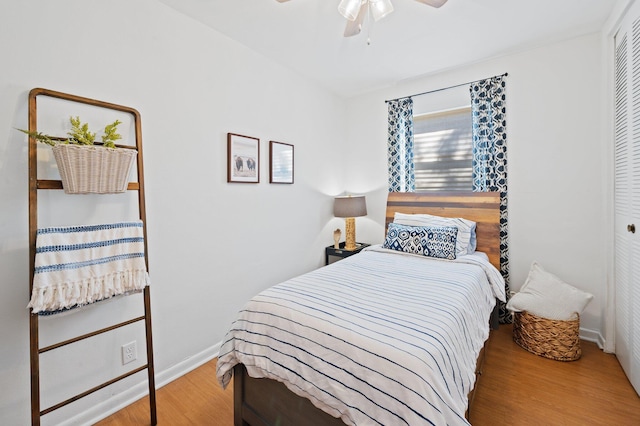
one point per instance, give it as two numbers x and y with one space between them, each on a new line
140 390
592 336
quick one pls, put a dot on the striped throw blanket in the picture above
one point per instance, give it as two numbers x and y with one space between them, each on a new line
78 265
379 338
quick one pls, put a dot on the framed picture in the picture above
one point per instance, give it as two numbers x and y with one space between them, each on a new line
243 158
280 162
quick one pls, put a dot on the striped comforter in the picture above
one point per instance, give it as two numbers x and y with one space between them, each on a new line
379 338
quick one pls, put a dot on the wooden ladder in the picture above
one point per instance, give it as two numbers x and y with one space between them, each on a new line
35 185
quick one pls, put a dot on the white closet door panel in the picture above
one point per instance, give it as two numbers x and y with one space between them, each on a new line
633 291
627 196
621 205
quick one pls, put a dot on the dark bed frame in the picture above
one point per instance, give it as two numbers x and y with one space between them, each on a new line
265 402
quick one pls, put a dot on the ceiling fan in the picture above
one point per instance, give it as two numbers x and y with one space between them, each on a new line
356 10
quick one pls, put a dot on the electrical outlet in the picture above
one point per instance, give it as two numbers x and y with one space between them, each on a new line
129 352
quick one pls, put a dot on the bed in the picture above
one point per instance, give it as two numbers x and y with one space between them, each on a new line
382 337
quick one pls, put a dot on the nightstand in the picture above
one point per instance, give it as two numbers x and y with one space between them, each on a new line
341 253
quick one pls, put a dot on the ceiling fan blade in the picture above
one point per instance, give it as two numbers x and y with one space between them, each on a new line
434 3
354 27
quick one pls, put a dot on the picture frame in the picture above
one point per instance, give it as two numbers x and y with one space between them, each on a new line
281 162
243 158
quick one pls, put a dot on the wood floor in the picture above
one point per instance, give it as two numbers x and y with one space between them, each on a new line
517 388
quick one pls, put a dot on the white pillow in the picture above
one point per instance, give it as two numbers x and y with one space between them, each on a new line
545 295
466 239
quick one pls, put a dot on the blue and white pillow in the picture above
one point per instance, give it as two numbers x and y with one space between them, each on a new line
430 241
466 239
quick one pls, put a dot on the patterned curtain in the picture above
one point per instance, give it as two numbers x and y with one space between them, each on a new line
490 157
400 146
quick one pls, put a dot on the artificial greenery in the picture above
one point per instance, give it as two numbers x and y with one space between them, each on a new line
110 136
41 137
80 134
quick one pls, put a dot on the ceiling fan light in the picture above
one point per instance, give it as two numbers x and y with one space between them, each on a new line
349 9
380 8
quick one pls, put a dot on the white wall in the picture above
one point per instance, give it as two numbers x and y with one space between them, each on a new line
556 155
212 245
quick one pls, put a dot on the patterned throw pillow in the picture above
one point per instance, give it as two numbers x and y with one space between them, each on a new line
466 238
431 241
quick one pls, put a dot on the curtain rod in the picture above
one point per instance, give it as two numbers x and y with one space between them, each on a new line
444 88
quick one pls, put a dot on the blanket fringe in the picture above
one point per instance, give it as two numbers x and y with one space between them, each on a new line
74 294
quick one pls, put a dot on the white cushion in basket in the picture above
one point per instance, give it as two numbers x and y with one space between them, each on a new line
547 296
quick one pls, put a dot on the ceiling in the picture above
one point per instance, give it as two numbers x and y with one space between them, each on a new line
415 40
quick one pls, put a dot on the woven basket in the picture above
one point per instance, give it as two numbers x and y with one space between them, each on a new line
87 169
555 339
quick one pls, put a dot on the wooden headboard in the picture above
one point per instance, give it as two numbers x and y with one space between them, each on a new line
480 207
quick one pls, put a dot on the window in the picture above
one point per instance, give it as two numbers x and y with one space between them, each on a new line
442 143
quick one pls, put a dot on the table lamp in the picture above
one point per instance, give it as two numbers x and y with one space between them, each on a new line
350 207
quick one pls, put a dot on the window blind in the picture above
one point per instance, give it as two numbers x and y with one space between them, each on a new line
443 150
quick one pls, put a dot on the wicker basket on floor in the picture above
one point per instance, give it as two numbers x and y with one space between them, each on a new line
555 339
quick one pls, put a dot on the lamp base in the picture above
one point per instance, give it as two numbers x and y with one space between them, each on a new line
350 233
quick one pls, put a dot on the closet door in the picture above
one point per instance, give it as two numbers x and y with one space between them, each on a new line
627 196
